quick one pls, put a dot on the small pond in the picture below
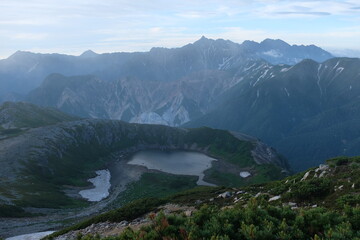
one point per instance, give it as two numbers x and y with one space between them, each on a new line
175 162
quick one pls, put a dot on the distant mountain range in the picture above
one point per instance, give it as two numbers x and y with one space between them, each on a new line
298 99
165 86
24 71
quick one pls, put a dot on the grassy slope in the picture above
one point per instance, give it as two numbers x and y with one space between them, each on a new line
158 185
26 115
336 213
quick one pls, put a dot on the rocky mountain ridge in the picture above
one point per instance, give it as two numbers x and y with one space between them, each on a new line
24 71
169 103
307 111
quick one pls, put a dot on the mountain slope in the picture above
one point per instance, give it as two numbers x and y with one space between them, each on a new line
17 118
308 111
130 99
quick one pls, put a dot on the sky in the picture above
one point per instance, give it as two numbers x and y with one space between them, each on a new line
74 26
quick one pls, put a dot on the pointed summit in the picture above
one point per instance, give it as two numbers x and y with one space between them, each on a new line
203 40
88 54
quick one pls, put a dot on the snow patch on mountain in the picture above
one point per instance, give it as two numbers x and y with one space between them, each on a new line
287 92
245 174
262 76
33 67
248 68
318 79
102 185
225 63
31 236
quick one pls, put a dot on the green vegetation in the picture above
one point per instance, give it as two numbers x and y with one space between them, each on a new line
259 220
128 212
341 161
13 211
43 183
224 179
139 207
73 152
26 115
325 205
156 185
312 189
348 200
74 168
50 196
222 144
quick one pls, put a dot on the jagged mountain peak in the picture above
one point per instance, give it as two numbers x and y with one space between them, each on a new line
204 41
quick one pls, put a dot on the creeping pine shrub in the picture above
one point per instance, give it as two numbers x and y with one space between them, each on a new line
348 199
257 221
311 189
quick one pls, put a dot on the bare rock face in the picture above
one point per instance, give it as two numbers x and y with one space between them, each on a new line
262 153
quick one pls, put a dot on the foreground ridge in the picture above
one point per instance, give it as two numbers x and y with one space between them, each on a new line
321 203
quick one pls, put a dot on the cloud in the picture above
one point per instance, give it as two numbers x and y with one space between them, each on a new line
192 15
298 8
29 36
124 25
304 13
21 22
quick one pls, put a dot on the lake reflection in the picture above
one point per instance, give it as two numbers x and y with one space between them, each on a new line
175 162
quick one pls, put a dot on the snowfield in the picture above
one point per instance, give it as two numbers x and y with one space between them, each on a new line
102 185
31 236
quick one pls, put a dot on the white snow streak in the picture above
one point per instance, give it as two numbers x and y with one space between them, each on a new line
262 76
287 92
318 81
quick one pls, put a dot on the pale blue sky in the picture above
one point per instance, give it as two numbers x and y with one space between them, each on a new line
73 26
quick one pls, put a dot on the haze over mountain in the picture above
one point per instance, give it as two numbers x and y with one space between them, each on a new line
24 71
